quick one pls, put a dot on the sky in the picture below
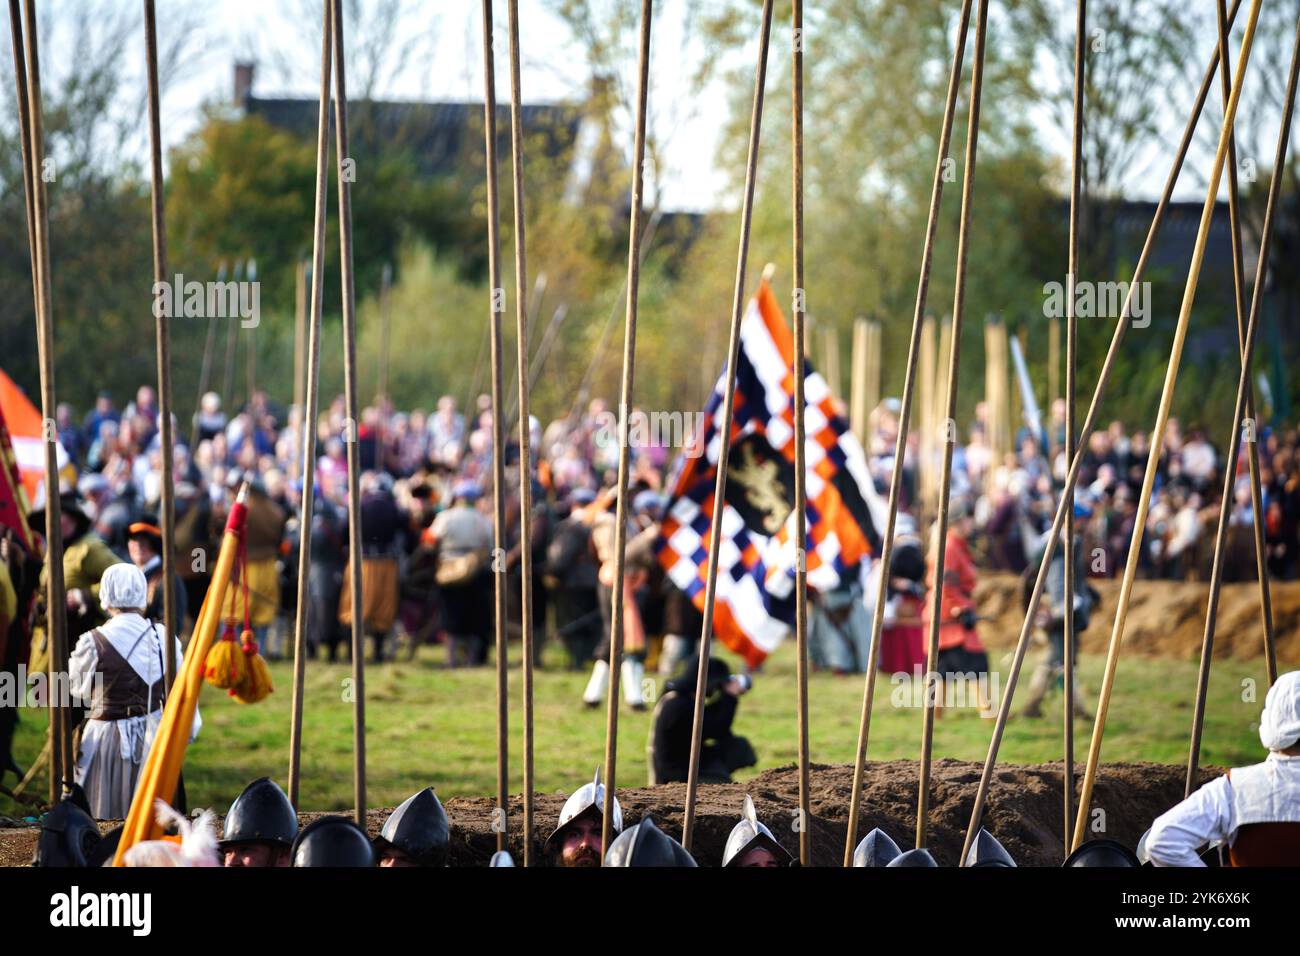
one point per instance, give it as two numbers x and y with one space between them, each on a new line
442 40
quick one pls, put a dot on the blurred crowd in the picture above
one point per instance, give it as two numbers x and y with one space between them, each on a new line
427 505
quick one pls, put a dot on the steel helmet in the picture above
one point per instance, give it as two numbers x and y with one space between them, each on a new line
333 842
750 834
590 796
68 835
919 857
502 858
987 851
261 814
419 828
876 849
1102 853
646 845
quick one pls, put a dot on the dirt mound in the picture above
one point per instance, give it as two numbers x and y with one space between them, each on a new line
1166 618
1024 810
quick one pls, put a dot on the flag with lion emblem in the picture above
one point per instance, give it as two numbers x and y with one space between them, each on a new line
754 607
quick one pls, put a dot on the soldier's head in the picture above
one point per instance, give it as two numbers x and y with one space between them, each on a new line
143 542
260 827
578 838
417 833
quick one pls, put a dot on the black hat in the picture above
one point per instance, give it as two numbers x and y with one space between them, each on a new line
1103 853
261 814
332 842
646 845
70 503
987 851
419 828
876 849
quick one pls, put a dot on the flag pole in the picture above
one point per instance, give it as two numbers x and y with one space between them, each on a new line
800 306
1065 504
1242 413
307 507
56 617
624 405
1239 300
350 402
525 451
1071 364
724 433
949 422
1158 432
904 417
163 333
496 306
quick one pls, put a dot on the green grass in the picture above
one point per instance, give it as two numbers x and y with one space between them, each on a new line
430 725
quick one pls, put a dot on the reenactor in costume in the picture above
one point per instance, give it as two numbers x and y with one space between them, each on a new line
117 671
332 842
144 545
415 834
646 845
752 844
1252 811
722 752
1052 665
576 840
85 559
260 827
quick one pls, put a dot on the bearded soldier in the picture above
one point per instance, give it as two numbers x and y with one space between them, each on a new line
576 841
1254 811
260 827
752 844
416 834
646 845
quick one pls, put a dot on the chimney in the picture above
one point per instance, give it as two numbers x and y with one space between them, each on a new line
243 81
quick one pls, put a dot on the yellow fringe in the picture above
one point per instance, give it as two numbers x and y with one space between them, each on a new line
225 664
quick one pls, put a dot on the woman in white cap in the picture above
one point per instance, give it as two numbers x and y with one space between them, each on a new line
1254 811
117 672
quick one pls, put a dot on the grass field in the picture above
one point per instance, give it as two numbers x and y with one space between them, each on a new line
430 725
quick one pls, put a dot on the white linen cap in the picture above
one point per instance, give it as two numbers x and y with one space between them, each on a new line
123 586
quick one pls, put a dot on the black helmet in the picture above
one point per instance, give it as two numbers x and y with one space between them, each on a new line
987 851
68 835
1103 853
646 845
418 828
261 814
332 841
106 848
876 849
919 857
